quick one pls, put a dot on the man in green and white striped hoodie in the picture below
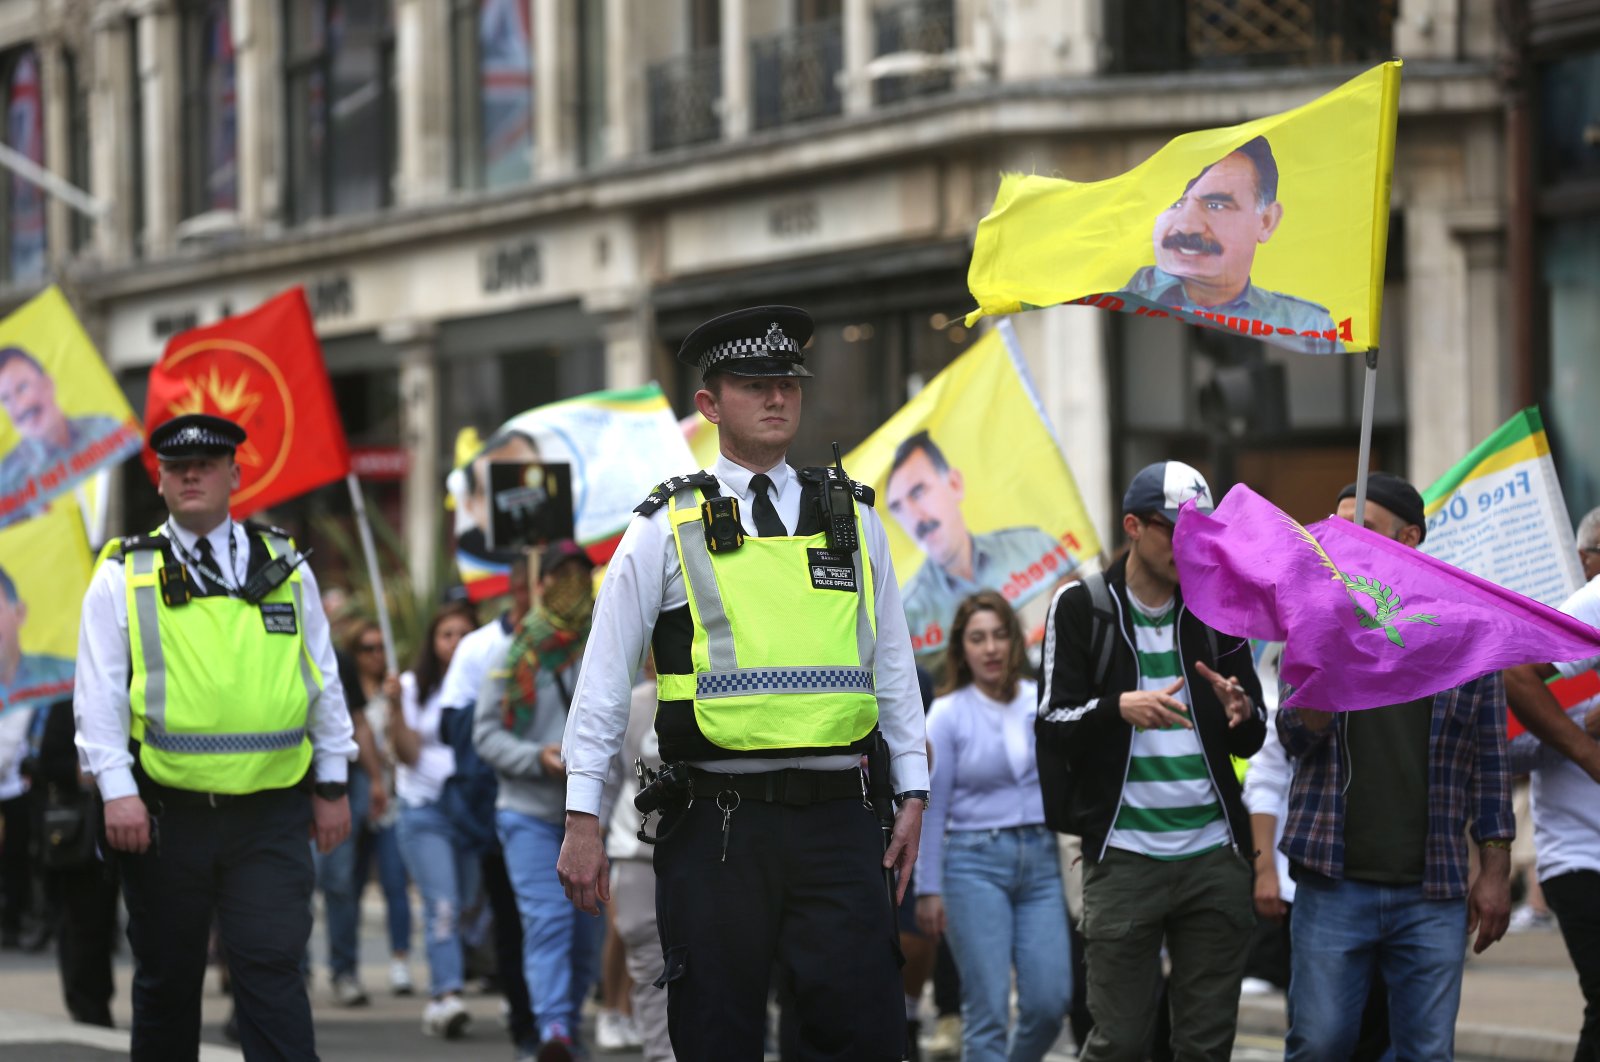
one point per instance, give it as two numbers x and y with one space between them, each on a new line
1145 705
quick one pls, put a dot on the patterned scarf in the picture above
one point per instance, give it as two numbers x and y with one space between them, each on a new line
549 638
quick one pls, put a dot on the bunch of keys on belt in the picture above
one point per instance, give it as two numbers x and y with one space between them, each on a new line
727 816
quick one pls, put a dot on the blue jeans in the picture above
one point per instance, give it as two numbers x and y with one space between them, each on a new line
560 944
1340 931
1004 907
341 893
382 844
447 874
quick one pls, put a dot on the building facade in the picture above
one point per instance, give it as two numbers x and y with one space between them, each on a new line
498 203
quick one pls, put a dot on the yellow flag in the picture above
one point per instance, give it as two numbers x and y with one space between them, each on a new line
1274 229
62 416
974 490
44 572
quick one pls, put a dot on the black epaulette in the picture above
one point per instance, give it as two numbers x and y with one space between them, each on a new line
256 527
134 543
822 473
705 481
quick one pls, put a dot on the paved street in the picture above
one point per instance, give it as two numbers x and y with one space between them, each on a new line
1520 1001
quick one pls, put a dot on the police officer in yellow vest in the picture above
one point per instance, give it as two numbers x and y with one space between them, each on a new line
210 714
781 645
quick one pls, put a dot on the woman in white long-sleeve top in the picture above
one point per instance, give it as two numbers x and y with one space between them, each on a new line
988 872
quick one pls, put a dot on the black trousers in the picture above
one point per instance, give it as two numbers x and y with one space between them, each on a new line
802 887
16 865
1575 899
247 862
86 937
523 1027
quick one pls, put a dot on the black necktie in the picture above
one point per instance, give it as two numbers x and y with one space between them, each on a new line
207 565
768 525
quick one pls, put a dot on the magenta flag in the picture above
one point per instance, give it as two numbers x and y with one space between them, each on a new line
1365 621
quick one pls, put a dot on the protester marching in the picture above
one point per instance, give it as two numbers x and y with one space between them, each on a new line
702 740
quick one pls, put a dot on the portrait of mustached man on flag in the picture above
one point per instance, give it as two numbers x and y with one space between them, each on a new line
1276 228
263 370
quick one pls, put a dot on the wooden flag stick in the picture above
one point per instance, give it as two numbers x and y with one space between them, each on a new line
380 602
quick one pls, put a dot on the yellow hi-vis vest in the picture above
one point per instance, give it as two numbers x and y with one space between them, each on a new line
784 640
218 703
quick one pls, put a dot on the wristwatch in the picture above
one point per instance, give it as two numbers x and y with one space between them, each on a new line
911 794
331 790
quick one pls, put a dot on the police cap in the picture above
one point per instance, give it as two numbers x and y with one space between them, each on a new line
758 341
196 435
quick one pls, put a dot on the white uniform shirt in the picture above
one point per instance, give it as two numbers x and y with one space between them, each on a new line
100 696
644 579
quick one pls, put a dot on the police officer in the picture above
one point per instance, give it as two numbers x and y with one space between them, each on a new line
207 700
780 645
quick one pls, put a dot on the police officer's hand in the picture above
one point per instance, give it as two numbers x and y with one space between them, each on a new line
902 850
930 916
330 822
127 824
1155 709
1232 695
582 867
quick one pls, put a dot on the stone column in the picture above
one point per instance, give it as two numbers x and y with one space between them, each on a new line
422 492
160 59
110 179
258 110
423 75
54 97
624 83
627 334
859 45
556 48
1065 351
736 93
1438 372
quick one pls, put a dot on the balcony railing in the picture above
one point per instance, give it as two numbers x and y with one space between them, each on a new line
927 26
1154 36
794 74
683 99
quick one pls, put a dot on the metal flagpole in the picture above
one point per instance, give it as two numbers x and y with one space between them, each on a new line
379 601
1368 398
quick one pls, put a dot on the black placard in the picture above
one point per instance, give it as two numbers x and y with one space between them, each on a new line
530 503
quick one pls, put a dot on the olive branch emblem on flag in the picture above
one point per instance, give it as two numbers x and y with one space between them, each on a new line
1385 599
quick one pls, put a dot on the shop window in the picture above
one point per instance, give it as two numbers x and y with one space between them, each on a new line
493 51
24 200
210 110
339 81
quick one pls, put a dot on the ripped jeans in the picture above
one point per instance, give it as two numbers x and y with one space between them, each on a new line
447 875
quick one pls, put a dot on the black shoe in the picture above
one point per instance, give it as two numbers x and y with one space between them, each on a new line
913 1040
230 1028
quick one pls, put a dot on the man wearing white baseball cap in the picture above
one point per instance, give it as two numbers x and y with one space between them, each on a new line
1141 708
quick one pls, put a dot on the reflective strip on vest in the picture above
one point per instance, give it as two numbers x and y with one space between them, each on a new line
145 601
714 684
275 741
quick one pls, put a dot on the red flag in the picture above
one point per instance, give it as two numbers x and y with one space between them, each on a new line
262 370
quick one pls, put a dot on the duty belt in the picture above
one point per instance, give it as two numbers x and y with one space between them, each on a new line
793 787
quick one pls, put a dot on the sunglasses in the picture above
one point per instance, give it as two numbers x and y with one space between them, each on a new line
368 647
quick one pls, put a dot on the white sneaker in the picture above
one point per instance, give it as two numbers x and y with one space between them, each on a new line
446 1017
630 1032
347 991
400 977
1525 918
1256 986
608 1034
